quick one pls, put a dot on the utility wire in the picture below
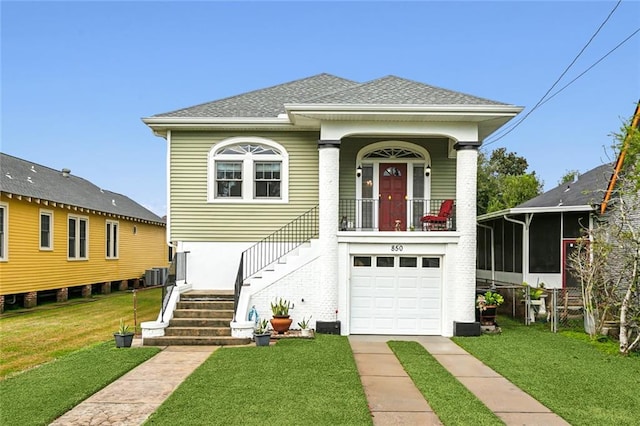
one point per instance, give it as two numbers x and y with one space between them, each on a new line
540 101
589 69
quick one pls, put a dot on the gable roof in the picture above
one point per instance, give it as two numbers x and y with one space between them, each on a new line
23 178
588 190
581 195
328 89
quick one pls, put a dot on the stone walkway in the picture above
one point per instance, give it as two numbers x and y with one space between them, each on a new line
394 399
131 399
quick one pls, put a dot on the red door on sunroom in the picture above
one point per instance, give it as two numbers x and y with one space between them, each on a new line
393 192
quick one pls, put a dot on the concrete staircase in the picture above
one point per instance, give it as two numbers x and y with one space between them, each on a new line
200 318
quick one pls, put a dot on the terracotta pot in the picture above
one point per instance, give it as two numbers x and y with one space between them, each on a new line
281 323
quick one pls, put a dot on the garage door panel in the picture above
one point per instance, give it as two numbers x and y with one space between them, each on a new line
398 300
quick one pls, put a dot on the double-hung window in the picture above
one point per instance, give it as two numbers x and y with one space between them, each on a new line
77 232
248 170
3 231
46 230
111 249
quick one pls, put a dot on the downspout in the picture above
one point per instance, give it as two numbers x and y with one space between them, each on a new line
168 222
493 256
525 242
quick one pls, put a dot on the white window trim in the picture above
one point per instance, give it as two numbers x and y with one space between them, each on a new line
78 219
49 213
248 171
4 257
106 238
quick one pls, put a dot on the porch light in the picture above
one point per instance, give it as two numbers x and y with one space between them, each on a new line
359 171
427 170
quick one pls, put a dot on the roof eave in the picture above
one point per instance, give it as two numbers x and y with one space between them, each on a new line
160 125
527 210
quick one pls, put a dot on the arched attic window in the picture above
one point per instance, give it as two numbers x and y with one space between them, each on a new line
251 169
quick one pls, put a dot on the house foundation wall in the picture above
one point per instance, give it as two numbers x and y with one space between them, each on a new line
211 265
62 295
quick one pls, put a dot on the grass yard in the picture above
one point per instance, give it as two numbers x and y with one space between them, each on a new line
35 336
40 395
575 379
438 385
296 382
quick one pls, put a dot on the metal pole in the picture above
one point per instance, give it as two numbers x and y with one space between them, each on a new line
135 311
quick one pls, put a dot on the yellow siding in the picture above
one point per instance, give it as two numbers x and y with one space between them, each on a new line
194 219
30 269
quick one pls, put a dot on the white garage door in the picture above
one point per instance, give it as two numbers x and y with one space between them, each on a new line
396 295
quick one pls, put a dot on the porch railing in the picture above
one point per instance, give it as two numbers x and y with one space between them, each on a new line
275 246
365 214
177 272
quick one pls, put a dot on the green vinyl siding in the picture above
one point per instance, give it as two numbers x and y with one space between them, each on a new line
193 218
443 174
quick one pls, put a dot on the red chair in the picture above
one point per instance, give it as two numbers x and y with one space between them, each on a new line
441 220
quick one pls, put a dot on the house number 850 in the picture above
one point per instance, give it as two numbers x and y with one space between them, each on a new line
396 247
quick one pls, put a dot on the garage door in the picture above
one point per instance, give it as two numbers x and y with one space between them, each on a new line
396 295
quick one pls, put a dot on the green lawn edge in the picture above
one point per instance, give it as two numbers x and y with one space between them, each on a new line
294 382
450 400
571 376
42 394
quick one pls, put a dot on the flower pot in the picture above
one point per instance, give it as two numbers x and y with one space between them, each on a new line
488 315
281 324
262 339
123 340
305 332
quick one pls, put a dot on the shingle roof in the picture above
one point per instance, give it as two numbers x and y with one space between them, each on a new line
587 190
395 90
267 102
21 177
329 89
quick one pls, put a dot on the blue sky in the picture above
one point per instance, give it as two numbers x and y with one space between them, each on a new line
77 77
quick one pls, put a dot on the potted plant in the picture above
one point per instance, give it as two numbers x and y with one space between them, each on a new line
123 336
280 310
261 333
536 299
487 304
304 326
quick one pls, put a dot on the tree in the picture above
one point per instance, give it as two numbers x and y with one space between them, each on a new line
607 262
503 181
569 176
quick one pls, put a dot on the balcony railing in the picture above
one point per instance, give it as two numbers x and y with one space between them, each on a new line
370 214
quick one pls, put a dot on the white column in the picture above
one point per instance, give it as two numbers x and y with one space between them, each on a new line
328 167
463 291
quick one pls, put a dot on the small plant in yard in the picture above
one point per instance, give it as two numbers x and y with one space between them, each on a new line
490 298
262 327
281 307
123 329
304 324
534 292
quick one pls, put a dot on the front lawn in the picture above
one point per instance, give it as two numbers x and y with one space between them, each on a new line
34 336
296 382
572 377
40 395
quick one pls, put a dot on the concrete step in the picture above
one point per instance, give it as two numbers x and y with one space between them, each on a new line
195 341
199 322
207 295
220 304
197 331
203 313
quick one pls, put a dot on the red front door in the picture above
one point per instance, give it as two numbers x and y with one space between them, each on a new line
393 192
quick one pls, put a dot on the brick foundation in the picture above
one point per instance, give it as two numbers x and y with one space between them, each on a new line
136 283
106 288
30 299
62 295
1 304
86 291
124 285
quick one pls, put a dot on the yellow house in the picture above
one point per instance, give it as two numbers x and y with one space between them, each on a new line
61 235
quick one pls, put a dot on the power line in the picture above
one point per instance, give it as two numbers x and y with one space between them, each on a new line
540 101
